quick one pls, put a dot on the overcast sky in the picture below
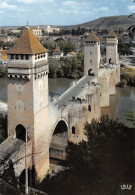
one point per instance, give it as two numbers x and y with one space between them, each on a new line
60 12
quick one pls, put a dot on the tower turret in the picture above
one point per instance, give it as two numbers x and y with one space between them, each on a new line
28 93
91 54
112 48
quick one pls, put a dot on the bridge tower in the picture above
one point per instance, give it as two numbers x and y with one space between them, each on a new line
28 96
112 48
91 54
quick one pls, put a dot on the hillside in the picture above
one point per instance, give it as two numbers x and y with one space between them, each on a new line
115 22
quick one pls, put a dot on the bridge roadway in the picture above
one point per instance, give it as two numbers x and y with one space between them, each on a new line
73 91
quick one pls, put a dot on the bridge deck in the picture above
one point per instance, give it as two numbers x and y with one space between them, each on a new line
65 98
9 148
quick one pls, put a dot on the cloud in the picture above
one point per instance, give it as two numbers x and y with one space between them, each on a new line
85 12
103 9
68 11
131 7
4 5
100 9
70 3
34 1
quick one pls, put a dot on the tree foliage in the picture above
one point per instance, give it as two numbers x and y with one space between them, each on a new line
98 166
71 67
124 48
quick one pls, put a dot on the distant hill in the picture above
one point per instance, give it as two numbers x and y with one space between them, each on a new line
115 22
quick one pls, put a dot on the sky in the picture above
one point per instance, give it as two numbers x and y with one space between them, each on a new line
60 12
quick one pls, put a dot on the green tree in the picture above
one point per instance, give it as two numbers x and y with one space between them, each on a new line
50 45
131 118
100 165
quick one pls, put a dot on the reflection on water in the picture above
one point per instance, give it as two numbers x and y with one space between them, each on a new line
58 86
121 103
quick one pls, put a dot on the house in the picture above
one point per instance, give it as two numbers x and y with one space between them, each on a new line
57 54
3 57
70 54
48 29
37 31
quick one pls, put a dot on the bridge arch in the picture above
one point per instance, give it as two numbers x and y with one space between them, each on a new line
111 59
20 132
58 122
59 140
91 72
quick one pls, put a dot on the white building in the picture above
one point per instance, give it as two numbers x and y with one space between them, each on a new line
37 31
48 29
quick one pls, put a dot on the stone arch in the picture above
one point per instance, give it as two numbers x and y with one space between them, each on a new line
91 72
59 140
60 119
111 59
20 132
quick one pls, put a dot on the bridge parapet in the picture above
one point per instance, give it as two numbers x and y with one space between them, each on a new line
13 151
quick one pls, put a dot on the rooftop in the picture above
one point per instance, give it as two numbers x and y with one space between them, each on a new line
92 37
27 44
3 54
111 33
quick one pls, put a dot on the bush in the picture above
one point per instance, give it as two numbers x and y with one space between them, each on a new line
122 83
99 165
3 71
72 67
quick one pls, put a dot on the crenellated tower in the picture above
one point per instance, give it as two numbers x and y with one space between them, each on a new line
28 94
91 54
112 48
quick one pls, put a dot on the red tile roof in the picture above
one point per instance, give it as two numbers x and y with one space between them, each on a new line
92 37
27 44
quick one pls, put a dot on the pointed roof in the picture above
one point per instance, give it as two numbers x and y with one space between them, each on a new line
27 44
92 37
111 33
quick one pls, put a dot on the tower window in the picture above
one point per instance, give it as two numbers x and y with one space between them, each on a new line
73 130
17 57
90 53
12 56
22 57
26 57
35 57
89 108
90 61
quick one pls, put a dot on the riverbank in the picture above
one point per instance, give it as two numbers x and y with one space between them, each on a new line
127 76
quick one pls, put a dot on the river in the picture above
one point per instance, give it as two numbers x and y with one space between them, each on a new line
120 104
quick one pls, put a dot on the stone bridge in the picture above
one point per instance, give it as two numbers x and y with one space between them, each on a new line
49 123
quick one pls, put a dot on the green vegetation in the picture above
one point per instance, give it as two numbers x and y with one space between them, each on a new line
3 70
6 44
68 67
124 48
127 76
98 166
64 46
